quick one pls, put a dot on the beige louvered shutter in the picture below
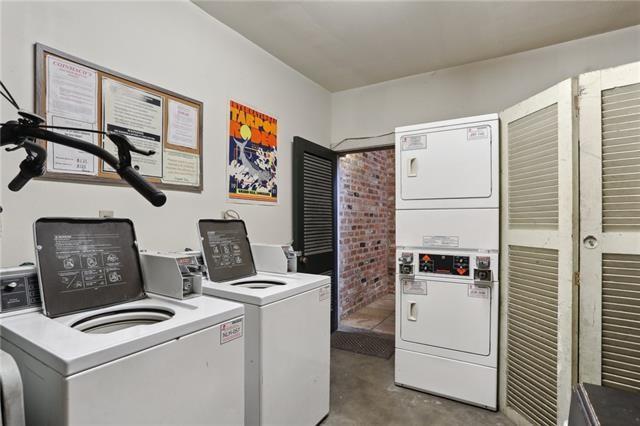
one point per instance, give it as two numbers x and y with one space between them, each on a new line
538 256
610 227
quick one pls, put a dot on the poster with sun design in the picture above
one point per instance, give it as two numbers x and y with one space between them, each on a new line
253 149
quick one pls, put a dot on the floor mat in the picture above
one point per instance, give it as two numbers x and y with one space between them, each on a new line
365 344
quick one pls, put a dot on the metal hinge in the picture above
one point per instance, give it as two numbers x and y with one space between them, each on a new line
576 279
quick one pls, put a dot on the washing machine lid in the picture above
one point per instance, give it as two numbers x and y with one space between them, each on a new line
86 264
67 345
264 288
226 249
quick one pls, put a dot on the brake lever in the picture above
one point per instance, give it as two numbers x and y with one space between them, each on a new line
122 142
125 147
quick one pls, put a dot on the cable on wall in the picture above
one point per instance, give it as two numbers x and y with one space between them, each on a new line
357 138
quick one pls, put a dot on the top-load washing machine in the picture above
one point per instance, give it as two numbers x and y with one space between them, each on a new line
287 327
447 240
104 351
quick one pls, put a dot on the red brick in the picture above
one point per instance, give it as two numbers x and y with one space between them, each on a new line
366 188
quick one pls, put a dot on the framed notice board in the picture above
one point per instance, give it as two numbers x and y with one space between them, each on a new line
71 92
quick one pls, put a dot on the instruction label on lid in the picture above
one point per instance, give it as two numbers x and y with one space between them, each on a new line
230 330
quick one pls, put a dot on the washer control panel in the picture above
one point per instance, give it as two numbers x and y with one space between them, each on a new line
19 289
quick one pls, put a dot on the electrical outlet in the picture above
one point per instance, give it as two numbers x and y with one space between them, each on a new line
105 213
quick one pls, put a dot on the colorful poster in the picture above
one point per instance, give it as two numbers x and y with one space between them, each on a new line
252 161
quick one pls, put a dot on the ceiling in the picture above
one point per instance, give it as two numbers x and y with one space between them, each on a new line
346 44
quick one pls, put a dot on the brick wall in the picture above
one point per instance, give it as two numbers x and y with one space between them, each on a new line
366 214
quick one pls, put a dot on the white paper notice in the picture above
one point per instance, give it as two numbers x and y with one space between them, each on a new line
181 168
71 90
183 125
136 114
61 158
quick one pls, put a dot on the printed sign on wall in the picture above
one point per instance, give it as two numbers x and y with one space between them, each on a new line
252 161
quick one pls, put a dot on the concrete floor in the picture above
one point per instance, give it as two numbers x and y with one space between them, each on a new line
363 393
378 316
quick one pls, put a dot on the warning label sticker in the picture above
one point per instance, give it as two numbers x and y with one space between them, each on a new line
412 142
478 133
230 330
324 293
480 292
414 287
440 241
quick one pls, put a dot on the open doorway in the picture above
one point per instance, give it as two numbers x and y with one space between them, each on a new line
366 241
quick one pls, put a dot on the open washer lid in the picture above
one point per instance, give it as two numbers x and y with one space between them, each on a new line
86 264
226 249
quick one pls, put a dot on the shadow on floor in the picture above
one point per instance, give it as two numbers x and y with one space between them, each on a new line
378 316
363 393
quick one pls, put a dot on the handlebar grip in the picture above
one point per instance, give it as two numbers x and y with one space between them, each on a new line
19 181
148 191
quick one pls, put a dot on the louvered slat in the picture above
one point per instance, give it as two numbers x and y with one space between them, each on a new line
318 205
621 158
621 321
533 170
532 333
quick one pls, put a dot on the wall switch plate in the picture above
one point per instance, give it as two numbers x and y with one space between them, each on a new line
105 213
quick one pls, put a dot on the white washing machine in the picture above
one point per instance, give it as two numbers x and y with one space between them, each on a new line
287 329
131 358
447 240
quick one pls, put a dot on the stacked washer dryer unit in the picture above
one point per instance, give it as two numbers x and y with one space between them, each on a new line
287 330
103 351
447 239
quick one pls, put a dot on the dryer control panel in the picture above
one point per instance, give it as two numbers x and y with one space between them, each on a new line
480 268
444 264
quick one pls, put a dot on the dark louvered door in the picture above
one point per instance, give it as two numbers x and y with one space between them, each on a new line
314 213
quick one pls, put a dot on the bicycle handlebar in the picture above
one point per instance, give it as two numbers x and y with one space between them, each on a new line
30 167
144 188
13 132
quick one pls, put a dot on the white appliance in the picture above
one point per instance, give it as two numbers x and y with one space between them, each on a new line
447 240
287 329
145 360
171 365
275 258
177 275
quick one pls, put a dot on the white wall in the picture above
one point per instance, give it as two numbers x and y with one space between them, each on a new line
472 89
176 46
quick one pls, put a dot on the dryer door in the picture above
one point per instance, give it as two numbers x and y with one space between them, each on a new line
447 164
447 316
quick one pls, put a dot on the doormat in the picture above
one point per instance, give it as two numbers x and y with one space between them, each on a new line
365 344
